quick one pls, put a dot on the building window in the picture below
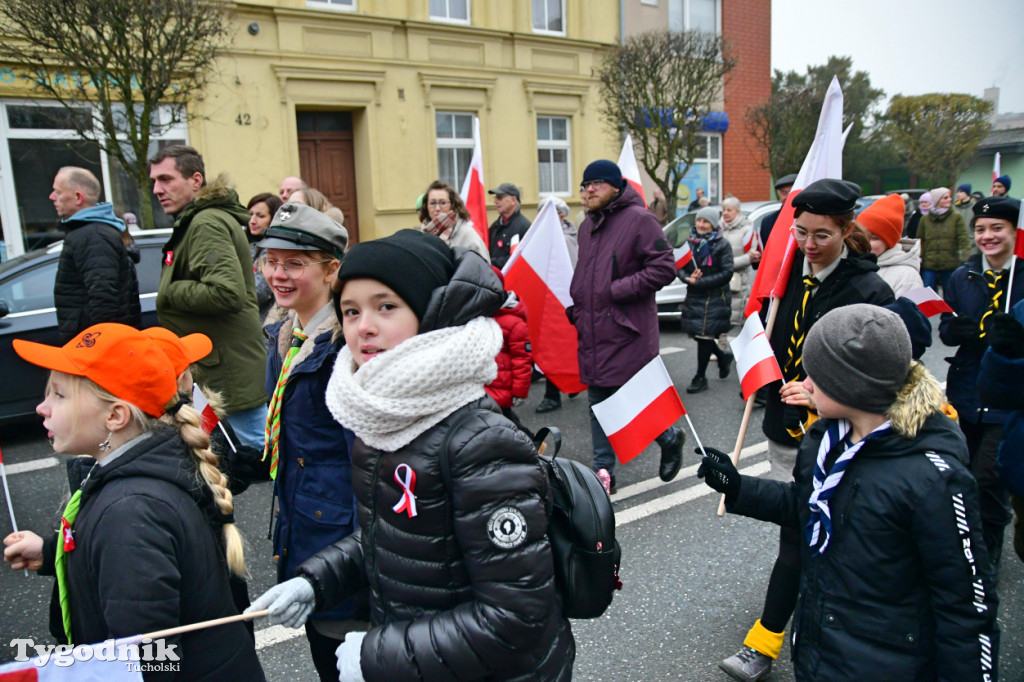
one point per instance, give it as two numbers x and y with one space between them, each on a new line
454 146
37 139
456 11
333 4
553 157
549 16
694 15
705 173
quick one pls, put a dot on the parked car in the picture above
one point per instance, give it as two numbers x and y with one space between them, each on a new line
670 296
27 312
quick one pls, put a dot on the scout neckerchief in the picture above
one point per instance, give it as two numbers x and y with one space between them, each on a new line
825 486
66 543
996 281
273 429
796 340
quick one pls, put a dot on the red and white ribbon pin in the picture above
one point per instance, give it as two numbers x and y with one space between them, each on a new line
407 481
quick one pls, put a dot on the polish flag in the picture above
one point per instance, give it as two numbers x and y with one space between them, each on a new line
1018 247
83 664
539 271
683 255
824 160
640 411
929 302
473 194
752 242
630 171
203 407
995 168
755 360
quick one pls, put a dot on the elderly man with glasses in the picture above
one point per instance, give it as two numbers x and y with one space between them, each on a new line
623 261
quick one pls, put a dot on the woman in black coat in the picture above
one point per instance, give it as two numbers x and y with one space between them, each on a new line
707 308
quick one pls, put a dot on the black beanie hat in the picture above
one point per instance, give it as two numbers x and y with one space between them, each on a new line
606 170
410 262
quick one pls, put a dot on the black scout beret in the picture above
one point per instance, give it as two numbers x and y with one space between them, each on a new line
997 207
828 197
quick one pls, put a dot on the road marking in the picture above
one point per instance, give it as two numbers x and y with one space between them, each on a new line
655 483
642 511
276 634
668 350
24 467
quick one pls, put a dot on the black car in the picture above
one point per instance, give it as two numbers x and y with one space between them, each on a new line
27 312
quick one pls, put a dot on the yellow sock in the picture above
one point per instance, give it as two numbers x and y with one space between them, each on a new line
764 641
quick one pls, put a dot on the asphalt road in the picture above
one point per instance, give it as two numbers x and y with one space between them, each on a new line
693 582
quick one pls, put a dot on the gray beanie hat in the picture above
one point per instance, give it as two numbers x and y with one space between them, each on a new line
859 355
712 214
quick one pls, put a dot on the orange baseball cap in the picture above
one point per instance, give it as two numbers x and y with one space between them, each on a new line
118 358
183 350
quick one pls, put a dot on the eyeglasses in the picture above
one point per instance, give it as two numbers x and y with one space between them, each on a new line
596 184
820 238
442 202
292 266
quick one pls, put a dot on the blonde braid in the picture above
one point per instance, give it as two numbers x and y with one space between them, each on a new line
198 442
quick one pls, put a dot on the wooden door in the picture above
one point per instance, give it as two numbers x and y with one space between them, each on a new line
327 160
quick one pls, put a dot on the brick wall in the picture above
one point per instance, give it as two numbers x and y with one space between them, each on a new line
747 25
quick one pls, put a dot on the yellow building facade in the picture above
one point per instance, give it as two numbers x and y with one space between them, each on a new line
370 101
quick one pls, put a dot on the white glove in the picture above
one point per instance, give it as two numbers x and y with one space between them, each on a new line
289 603
348 655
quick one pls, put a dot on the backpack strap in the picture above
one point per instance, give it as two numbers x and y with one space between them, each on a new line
542 435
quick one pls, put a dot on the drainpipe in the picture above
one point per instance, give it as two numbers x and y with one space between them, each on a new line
622 22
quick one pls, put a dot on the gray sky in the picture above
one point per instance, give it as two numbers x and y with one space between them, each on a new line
909 47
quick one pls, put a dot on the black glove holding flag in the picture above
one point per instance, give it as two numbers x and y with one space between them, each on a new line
1006 335
717 470
963 329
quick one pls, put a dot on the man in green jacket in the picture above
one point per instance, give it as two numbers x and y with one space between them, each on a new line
207 285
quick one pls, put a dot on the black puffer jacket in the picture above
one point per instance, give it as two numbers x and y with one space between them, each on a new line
447 601
903 591
146 558
855 280
96 280
707 310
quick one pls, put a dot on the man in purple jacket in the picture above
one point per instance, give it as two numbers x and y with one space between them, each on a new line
623 260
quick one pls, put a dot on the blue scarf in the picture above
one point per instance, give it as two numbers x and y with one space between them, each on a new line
825 486
702 245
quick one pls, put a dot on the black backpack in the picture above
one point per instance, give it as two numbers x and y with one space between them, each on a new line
581 528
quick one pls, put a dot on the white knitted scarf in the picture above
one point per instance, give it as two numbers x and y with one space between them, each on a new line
401 393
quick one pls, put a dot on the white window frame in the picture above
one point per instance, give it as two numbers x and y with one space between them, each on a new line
9 206
452 143
714 189
332 5
685 8
553 145
544 31
452 20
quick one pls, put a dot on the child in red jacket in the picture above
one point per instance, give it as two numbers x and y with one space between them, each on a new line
515 360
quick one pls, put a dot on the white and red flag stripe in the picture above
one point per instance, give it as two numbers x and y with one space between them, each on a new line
683 255
539 271
203 407
1018 247
752 242
631 171
929 302
473 194
79 665
824 160
640 411
755 360
995 168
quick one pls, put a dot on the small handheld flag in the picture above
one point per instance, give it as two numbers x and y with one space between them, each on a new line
929 302
683 255
755 360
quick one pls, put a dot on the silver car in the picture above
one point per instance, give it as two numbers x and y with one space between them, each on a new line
670 296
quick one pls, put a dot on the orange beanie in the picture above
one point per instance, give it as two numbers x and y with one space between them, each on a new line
884 219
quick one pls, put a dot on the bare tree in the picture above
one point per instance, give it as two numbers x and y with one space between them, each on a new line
660 87
937 134
125 59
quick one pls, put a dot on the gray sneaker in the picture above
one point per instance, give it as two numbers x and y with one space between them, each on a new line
747 665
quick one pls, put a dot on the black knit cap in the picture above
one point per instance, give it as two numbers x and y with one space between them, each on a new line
606 170
828 196
410 262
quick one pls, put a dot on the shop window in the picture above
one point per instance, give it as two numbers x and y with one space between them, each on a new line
553 157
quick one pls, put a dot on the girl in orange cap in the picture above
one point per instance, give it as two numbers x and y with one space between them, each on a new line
899 259
141 547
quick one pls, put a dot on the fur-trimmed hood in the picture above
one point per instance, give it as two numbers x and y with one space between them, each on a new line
217 194
920 397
